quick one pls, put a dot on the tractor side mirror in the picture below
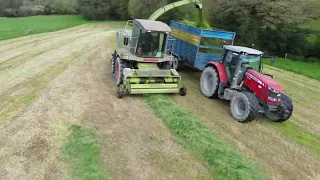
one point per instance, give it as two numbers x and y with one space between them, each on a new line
269 75
126 41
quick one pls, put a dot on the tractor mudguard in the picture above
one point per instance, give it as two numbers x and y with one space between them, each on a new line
221 71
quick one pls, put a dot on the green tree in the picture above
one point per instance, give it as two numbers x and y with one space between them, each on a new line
255 20
63 7
104 9
45 4
142 9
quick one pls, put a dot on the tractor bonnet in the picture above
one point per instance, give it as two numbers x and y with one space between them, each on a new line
265 80
153 26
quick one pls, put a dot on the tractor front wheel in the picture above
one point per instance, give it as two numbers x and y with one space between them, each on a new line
209 82
244 107
285 112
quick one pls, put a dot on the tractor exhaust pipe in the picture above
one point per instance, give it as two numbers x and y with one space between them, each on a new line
234 84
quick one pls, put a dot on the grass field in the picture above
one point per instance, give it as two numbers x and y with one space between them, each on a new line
304 68
17 27
54 82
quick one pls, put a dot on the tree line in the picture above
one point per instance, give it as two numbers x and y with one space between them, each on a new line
273 26
20 8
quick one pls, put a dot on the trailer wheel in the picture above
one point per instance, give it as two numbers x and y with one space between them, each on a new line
119 66
244 107
176 64
209 82
286 112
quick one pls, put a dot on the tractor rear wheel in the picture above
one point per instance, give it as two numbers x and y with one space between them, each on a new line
285 113
209 82
244 107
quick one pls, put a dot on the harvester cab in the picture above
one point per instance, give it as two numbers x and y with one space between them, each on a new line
140 62
238 77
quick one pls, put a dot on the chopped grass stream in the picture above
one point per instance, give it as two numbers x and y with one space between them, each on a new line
223 161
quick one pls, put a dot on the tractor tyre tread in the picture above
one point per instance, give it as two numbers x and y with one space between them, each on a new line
253 106
113 59
213 93
121 63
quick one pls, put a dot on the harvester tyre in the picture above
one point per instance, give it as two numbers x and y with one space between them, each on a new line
209 82
287 110
119 66
112 63
183 91
120 92
244 107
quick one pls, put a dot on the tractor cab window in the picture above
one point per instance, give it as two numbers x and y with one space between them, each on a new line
151 44
231 60
253 61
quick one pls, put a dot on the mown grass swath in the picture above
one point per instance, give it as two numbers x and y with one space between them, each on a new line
224 162
82 153
304 68
17 27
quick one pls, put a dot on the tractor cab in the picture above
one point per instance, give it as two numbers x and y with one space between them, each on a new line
149 38
237 60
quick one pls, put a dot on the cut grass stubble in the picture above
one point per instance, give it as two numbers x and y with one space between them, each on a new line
224 162
12 105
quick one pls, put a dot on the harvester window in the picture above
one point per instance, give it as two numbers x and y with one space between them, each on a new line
151 44
126 41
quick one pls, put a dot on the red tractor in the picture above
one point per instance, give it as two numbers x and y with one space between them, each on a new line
238 77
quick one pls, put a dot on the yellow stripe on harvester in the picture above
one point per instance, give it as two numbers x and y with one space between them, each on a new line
190 38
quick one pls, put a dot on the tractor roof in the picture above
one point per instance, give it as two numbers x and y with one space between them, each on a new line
154 26
240 49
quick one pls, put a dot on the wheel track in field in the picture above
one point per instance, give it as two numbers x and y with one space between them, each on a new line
35 44
35 65
278 153
135 144
45 47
